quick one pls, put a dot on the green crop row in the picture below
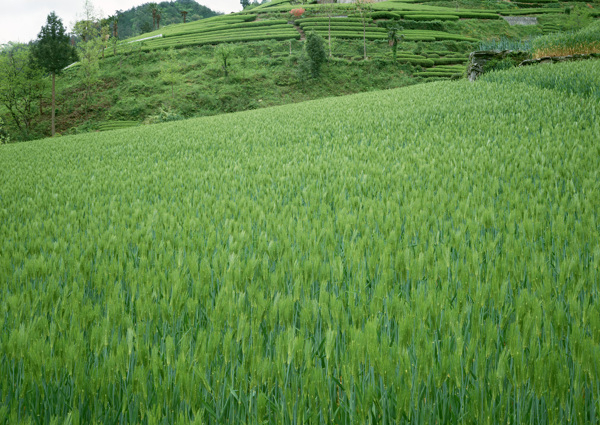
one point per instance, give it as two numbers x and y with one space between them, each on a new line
337 25
113 125
431 17
336 20
340 28
438 74
518 12
438 35
440 61
434 261
285 33
353 34
244 25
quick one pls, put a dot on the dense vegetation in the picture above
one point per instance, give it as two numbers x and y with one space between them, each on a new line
138 20
431 258
140 80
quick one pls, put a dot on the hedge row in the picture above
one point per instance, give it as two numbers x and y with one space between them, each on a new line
384 15
439 74
353 35
518 12
229 37
427 63
345 28
303 20
259 24
476 15
336 24
440 61
438 35
115 125
432 17
226 32
233 39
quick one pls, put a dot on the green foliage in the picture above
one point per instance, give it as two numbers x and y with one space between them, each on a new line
223 54
315 51
21 88
164 115
52 50
432 261
4 135
394 38
170 71
586 40
503 43
138 20
576 78
116 125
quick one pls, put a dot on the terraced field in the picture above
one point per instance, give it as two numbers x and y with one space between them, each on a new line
420 255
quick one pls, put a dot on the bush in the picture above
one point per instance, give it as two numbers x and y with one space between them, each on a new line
384 15
315 50
433 17
164 115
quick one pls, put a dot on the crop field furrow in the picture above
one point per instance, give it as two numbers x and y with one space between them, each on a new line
419 255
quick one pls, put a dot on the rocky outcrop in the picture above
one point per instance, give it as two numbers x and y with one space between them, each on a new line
487 60
555 59
520 20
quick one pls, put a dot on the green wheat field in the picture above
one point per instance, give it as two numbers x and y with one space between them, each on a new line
421 255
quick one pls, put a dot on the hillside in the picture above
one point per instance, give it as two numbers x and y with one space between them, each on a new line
418 255
176 72
138 20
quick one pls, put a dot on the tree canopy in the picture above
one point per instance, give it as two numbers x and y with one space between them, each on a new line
53 51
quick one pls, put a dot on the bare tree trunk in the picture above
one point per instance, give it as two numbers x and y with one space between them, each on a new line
329 16
365 37
53 102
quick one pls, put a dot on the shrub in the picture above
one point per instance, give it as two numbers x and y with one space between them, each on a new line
297 13
164 115
384 15
315 50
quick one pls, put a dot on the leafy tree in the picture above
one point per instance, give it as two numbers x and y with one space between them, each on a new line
94 37
315 51
137 20
394 38
223 52
245 3
21 85
52 51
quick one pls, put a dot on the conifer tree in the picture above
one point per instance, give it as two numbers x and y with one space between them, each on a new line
52 51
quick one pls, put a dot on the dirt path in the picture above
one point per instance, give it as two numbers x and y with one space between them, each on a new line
302 35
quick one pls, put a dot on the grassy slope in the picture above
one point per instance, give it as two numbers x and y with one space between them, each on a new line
426 253
263 74
131 90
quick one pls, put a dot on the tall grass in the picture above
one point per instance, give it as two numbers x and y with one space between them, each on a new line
584 41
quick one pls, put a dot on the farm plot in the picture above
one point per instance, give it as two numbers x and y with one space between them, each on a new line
233 29
420 255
